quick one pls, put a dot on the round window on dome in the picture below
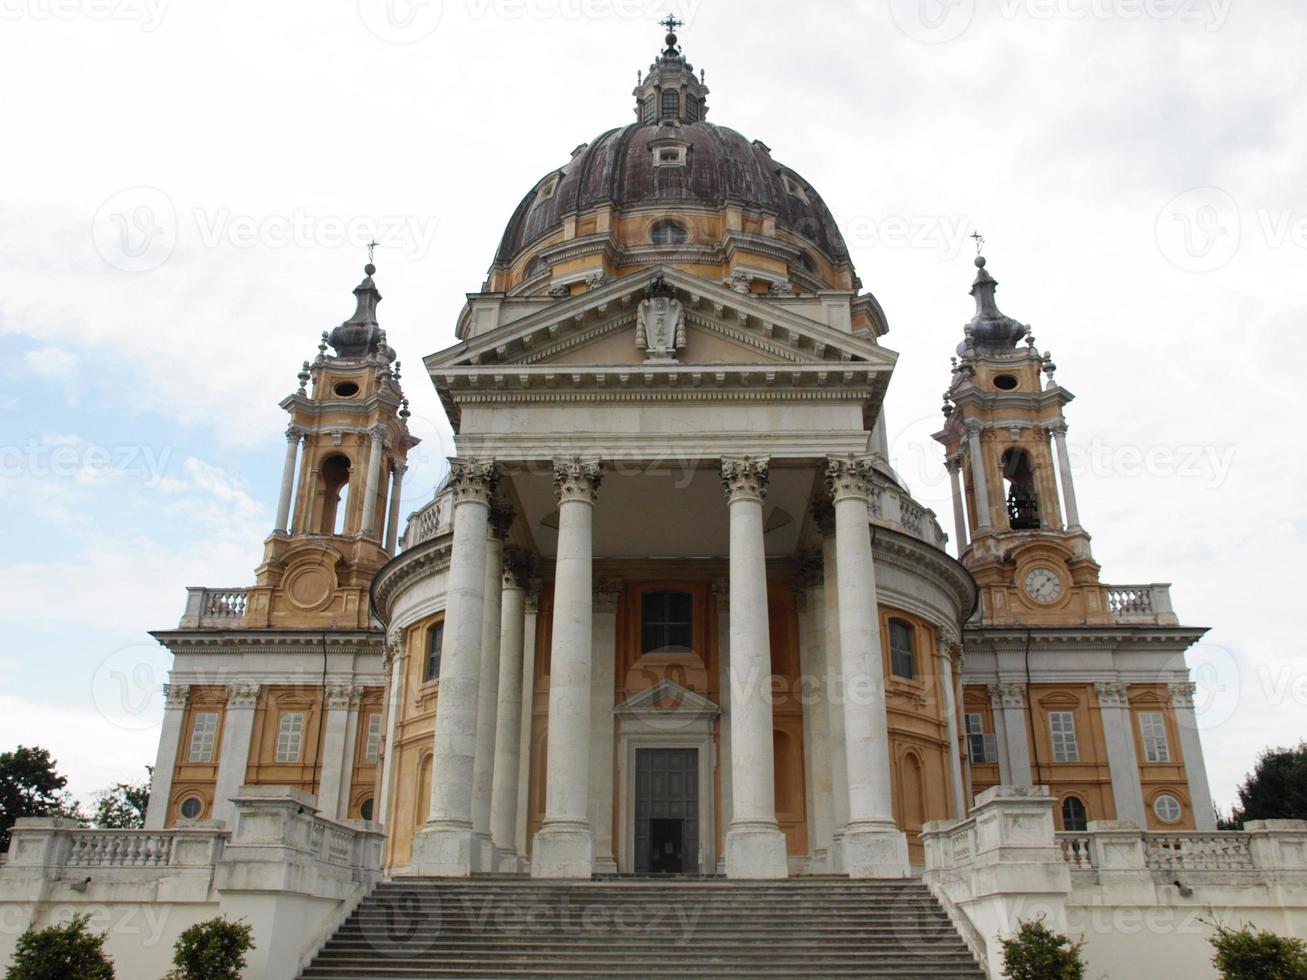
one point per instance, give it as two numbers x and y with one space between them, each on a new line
1006 382
669 233
1167 808
191 807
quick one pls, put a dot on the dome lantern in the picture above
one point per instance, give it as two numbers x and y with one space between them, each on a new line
671 92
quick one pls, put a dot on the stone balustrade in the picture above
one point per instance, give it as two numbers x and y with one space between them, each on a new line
214 607
1268 845
1148 605
893 508
428 523
54 844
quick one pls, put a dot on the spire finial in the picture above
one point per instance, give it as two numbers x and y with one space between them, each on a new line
671 23
980 244
371 246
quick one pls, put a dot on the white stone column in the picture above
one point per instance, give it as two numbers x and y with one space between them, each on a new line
954 466
1064 470
443 848
721 589
175 697
373 486
1191 749
337 758
816 727
1011 700
833 688
394 659
483 770
1122 760
755 845
392 520
508 716
874 847
237 729
293 437
603 686
979 481
950 652
528 717
564 845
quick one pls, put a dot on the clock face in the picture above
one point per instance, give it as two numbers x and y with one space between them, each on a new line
1043 585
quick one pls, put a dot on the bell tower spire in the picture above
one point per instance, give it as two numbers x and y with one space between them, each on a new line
1017 523
338 513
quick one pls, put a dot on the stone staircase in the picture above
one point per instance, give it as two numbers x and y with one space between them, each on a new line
683 928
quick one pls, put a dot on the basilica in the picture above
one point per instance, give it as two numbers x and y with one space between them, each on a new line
673 611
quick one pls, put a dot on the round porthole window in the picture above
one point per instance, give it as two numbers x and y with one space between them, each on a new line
192 807
1167 808
669 233
346 389
1005 382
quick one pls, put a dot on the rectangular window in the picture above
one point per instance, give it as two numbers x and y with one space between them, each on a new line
435 640
290 736
204 737
667 622
982 746
1152 725
1062 725
901 648
372 750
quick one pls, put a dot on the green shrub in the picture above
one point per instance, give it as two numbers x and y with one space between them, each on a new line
1038 953
66 952
211 950
1252 954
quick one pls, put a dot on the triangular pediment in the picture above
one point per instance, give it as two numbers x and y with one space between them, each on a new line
668 697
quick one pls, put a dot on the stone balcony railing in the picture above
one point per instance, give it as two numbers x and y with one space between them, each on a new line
214 607
893 508
1145 605
54 844
430 522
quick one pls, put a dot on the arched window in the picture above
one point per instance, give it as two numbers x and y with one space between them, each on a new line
335 489
1074 815
671 103
365 811
669 233
435 640
667 622
1022 500
902 649
537 267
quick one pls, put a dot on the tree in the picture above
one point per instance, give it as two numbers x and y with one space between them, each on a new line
1276 789
66 952
124 806
30 786
1036 952
1252 954
212 950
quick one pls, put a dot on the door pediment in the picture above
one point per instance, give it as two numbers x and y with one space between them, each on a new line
668 698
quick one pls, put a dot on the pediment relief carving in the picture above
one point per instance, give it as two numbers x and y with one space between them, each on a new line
668 697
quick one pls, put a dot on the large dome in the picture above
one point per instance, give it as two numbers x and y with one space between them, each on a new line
721 168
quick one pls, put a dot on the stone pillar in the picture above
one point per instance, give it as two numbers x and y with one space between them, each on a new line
293 437
950 647
393 660
721 589
874 847
1064 469
1011 700
373 486
833 688
979 481
443 848
528 714
1122 760
341 700
392 520
755 845
954 466
175 697
483 769
603 686
1191 749
237 729
564 845
816 726
508 716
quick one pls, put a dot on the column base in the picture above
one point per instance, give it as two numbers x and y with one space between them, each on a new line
507 860
756 851
818 862
563 851
876 852
444 852
483 854
835 856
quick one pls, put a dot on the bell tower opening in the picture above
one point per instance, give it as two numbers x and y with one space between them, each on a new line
1019 485
335 490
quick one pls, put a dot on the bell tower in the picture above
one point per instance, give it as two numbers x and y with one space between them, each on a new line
339 510
1005 438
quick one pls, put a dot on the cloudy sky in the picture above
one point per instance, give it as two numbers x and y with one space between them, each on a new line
187 189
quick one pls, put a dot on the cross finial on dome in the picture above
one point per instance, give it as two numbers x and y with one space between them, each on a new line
671 23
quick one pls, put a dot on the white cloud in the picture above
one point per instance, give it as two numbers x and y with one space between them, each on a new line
51 363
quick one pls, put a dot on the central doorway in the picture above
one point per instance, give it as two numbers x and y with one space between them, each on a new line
667 811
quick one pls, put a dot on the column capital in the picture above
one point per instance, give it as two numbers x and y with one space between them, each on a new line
849 476
518 566
745 477
953 463
343 695
501 520
378 432
607 594
1182 694
974 427
1112 694
1007 695
950 641
577 479
243 695
1057 428
393 649
472 480
294 434
176 695
399 468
